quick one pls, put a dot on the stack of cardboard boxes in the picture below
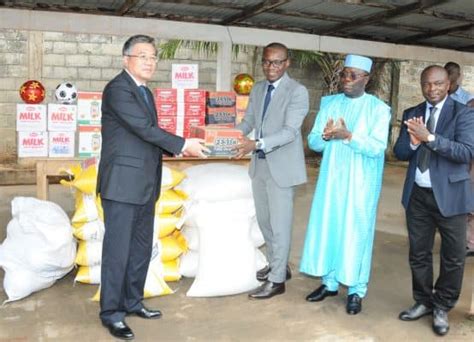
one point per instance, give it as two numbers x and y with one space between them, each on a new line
46 130
89 120
180 109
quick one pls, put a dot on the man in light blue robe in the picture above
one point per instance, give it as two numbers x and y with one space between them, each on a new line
351 130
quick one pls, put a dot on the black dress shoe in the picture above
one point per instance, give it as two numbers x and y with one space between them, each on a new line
440 322
120 330
147 313
354 304
469 252
416 311
262 275
320 293
267 290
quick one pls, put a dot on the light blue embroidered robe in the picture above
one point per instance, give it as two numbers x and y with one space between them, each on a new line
341 225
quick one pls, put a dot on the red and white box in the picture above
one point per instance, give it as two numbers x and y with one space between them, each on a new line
165 95
30 117
220 115
89 105
179 123
192 109
220 141
90 140
194 96
61 144
170 95
167 109
62 118
32 144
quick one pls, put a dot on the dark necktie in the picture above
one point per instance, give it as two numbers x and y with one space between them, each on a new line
266 102
144 93
425 152
268 97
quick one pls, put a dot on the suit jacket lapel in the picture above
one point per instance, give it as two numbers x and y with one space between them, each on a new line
140 99
277 96
445 116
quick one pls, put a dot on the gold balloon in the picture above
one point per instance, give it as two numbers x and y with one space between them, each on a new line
243 84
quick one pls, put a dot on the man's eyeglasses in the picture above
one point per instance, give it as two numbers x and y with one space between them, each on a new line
351 75
144 59
276 63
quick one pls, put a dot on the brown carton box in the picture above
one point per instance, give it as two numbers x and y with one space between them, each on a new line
221 141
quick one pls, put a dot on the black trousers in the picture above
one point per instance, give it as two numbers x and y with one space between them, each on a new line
126 256
423 217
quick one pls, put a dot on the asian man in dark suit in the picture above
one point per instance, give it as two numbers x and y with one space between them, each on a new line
438 193
129 182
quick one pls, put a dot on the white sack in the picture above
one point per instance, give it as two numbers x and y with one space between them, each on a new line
39 247
226 252
216 182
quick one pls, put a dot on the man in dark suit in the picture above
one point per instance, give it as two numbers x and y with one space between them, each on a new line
129 183
438 193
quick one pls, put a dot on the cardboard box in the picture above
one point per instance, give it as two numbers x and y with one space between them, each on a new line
167 109
90 140
179 123
194 96
221 99
221 141
220 115
170 95
30 117
165 95
192 109
32 144
62 118
61 144
89 107
241 102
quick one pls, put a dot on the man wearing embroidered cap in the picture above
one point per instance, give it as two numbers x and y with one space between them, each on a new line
351 131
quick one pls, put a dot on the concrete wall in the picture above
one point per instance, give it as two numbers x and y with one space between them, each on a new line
89 61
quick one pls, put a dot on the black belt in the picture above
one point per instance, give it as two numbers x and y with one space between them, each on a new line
430 190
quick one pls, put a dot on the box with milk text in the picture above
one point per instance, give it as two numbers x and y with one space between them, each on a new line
32 144
30 117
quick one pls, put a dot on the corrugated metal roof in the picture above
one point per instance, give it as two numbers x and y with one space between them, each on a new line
436 23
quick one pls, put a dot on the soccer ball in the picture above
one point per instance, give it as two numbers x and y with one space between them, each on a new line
66 93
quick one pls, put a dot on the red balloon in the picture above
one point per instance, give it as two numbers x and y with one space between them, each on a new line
32 92
243 84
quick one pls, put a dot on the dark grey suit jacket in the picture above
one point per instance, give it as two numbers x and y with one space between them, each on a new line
450 161
132 144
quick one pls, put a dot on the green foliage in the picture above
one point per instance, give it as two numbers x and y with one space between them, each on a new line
168 49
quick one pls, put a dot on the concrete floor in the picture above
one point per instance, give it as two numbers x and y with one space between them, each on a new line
65 313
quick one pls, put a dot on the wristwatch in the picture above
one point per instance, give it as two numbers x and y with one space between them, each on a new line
431 137
258 144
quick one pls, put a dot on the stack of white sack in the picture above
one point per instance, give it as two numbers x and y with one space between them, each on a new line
221 230
39 247
88 223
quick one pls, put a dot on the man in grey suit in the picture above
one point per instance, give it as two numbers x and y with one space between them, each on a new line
129 183
276 110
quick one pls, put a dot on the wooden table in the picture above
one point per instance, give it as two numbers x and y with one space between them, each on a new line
50 167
